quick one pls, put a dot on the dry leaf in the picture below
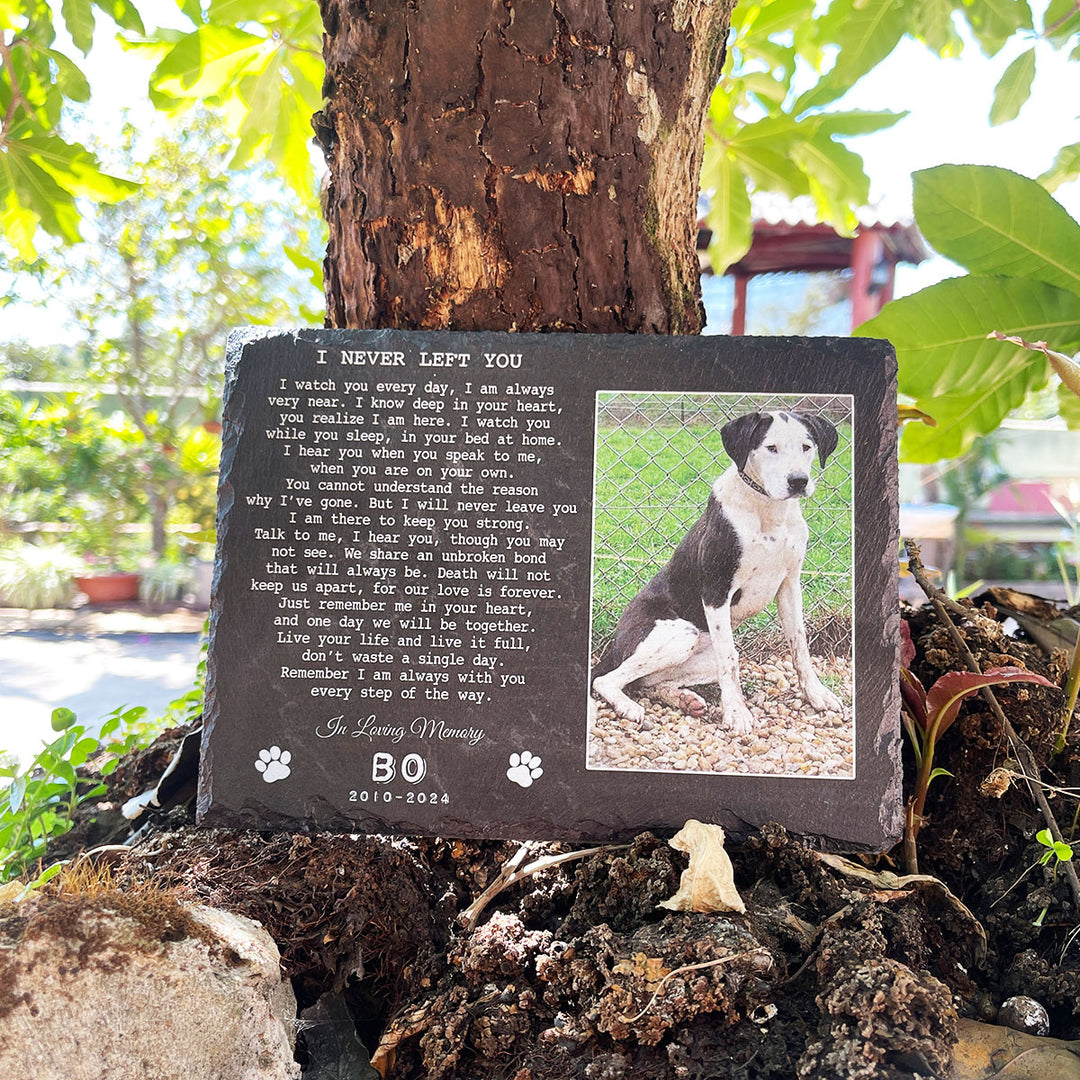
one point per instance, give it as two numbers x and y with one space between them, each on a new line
986 1051
887 882
649 968
11 892
1067 369
708 883
909 412
404 1027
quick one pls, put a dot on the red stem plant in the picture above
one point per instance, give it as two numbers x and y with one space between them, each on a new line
927 715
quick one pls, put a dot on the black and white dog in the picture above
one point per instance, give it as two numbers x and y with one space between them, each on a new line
747 548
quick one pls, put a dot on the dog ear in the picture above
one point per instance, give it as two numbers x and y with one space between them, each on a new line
823 432
744 434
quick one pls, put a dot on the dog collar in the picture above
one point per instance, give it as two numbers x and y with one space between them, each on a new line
753 484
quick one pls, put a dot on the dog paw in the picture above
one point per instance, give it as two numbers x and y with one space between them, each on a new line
273 763
678 697
524 769
821 699
739 719
631 711
691 703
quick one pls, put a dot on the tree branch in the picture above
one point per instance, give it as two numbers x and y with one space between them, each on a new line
18 99
1048 30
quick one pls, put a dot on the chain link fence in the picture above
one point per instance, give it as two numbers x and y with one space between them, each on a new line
657 455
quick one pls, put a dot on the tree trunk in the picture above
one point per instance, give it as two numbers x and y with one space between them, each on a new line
517 164
159 511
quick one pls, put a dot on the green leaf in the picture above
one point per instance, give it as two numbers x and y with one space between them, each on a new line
18 223
775 134
72 82
934 24
729 208
1069 408
16 794
779 59
869 32
940 333
771 17
856 122
837 179
994 221
62 719
79 20
262 92
76 169
947 365
44 877
230 12
935 773
993 22
1066 167
1013 89
303 261
1062 851
765 87
66 772
82 750
961 418
769 170
205 62
1044 837
123 13
38 192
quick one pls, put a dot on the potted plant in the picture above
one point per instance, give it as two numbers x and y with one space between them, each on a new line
167 581
36 575
109 557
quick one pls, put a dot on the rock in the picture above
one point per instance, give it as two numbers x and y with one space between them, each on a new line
130 985
1024 1014
334 1050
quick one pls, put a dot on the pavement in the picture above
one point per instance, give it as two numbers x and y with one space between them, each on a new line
90 660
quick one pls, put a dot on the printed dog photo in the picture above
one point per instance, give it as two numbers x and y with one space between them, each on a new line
722 585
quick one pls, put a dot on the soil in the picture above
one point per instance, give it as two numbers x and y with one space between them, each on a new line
837 970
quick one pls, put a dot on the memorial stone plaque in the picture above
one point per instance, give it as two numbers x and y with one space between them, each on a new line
549 586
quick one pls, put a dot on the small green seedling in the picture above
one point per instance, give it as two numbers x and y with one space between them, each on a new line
38 803
1057 850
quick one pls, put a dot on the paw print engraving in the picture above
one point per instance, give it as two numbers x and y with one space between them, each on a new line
524 768
274 764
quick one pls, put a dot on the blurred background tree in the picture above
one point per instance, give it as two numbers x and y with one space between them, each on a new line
161 277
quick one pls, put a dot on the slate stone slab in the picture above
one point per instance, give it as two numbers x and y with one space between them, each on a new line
424 543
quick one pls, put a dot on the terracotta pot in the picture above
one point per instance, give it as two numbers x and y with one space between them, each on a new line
109 588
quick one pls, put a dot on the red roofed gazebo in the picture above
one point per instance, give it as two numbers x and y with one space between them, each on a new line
789 238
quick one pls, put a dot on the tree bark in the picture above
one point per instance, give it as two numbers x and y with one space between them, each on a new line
516 164
159 511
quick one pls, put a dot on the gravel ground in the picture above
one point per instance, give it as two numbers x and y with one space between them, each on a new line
789 740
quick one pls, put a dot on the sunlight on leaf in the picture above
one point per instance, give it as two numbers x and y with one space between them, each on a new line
1013 89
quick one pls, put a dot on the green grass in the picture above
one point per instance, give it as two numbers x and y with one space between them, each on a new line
652 484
